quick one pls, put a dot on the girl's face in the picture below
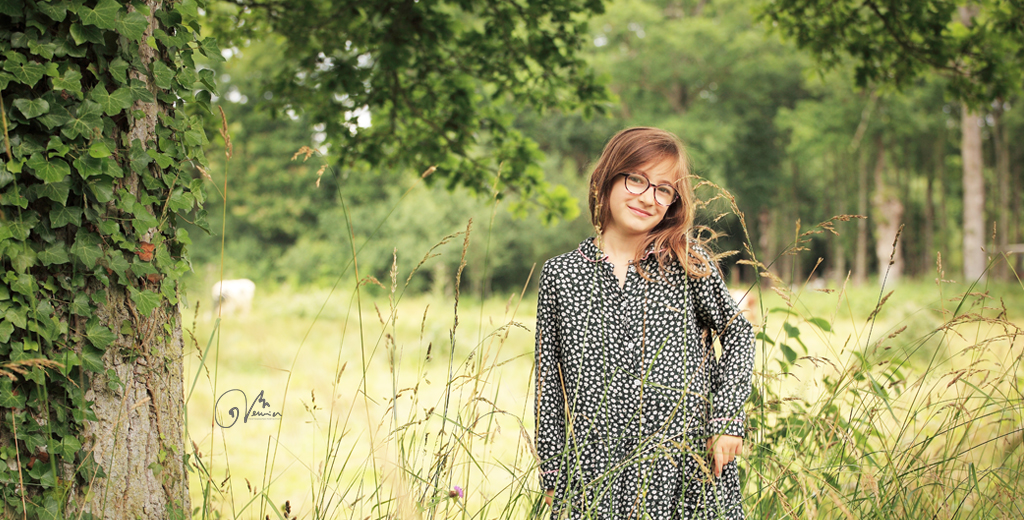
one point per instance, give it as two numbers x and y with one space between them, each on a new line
633 215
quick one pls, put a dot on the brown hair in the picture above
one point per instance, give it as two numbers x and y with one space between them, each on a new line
673 237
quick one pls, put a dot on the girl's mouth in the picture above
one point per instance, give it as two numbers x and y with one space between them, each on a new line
639 212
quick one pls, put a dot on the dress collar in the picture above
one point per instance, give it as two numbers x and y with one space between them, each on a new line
589 250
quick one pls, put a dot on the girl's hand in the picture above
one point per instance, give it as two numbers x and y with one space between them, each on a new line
724 448
548 495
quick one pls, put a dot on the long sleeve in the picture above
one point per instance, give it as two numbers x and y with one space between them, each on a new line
550 395
731 377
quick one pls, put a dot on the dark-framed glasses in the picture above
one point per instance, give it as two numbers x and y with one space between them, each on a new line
664 194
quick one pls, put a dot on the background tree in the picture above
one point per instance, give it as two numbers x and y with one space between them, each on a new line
95 175
978 46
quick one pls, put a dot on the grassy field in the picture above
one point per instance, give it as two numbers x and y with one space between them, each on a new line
399 407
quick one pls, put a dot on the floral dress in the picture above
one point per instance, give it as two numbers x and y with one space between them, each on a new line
629 389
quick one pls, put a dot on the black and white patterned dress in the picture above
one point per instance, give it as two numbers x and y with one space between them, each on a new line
629 389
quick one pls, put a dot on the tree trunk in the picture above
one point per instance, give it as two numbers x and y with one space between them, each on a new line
766 240
839 242
888 215
1002 144
138 435
860 265
974 196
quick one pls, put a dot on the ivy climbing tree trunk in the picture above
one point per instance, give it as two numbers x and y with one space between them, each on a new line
95 172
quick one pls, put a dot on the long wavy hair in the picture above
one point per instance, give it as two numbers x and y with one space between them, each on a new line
673 237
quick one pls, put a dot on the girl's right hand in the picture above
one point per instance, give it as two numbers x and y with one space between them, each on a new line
548 496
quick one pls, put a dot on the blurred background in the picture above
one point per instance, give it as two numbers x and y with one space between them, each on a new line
795 142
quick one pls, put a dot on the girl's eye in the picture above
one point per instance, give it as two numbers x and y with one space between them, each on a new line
666 191
636 180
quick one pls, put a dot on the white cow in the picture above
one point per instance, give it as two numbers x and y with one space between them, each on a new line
232 297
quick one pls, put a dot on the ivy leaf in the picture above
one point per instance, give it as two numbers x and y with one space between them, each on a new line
88 118
7 397
103 16
12 8
162 75
208 80
27 72
92 360
55 254
139 91
131 25
99 150
24 284
139 158
55 191
111 103
87 248
71 81
6 329
59 148
55 10
86 33
162 160
57 116
211 50
145 300
102 187
98 334
32 107
64 215
80 305
49 170
117 263
119 70
23 259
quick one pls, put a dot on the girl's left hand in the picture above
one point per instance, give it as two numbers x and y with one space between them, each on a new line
724 449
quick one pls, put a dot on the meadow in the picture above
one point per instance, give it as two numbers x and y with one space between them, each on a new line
362 401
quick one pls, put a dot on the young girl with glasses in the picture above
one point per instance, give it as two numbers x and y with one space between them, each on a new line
636 416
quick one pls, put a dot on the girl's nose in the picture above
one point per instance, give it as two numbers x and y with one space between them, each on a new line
648 196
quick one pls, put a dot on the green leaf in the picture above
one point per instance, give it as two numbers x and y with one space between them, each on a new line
27 72
821 324
48 170
23 259
139 158
57 11
206 77
98 334
139 91
55 254
116 262
71 81
58 146
86 33
87 248
57 116
80 305
145 300
102 187
111 103
119 70
162 75
92 359
131 25
64 215
87 119
99 150
211 50
24 284
6 329
162 160
69 447
32 107
788 352
7 397
103 16
55 191
15 9
791 330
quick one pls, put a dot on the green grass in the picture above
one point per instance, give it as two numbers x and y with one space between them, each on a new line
923 424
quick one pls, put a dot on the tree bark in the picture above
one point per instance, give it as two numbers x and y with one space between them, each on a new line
860 264
974 196
839 262
138 436
888 213
1002 145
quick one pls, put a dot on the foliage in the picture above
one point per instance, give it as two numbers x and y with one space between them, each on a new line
419 84
897 42
89 207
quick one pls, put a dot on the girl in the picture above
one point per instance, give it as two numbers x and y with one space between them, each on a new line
629 391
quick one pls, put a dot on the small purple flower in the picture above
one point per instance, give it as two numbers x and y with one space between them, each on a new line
457 492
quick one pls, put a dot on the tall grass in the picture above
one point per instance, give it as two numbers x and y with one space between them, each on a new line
406 406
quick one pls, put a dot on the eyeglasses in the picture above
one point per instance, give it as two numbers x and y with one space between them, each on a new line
664 194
